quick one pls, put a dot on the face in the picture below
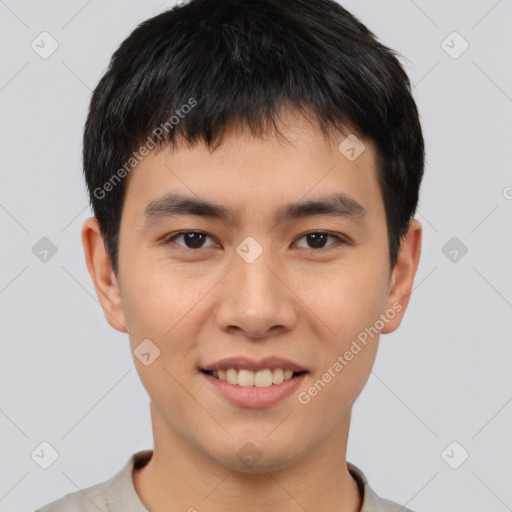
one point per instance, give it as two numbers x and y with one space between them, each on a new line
255 278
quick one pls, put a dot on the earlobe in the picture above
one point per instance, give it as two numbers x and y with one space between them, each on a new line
100 269
402 279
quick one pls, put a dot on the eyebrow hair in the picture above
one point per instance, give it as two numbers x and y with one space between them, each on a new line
338 204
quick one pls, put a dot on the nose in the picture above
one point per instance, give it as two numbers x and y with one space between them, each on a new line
255 299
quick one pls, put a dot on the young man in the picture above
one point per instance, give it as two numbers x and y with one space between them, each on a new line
254 167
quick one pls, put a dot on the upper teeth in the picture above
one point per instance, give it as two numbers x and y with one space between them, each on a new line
260 379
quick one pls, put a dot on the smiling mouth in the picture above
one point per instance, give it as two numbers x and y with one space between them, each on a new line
248 378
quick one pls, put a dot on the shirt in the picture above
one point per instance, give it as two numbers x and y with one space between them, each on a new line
117 494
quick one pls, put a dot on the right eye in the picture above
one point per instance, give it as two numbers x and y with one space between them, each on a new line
192 239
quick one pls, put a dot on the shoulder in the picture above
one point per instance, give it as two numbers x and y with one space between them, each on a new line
91 499
117 494
390 506
372 502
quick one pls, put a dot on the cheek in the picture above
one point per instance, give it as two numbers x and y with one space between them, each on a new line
162 303
350 306
161 308
350 299
358 328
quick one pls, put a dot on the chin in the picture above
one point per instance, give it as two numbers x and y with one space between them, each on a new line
257 455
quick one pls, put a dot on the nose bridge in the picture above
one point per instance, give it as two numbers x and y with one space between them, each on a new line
256 284
254 299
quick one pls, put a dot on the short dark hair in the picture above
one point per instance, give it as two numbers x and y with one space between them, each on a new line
240 61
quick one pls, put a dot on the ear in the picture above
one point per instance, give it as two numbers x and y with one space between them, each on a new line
102 275
402 277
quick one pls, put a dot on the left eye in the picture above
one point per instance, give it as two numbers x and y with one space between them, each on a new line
319 238
195 239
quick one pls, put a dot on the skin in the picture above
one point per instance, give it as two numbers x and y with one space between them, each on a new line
202 304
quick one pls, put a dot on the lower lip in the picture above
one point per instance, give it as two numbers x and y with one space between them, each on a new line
251 396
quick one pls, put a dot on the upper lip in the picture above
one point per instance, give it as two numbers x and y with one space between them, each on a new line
243 363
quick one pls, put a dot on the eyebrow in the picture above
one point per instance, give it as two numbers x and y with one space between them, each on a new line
338 204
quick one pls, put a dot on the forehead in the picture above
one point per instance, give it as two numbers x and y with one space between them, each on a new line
266 173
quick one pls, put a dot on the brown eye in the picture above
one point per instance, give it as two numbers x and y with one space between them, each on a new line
318 239
191 239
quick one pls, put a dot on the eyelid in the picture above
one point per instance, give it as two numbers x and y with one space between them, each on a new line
340 239
170 239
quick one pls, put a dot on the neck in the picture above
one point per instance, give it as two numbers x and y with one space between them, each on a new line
181 477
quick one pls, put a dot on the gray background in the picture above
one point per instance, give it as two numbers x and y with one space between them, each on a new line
67 378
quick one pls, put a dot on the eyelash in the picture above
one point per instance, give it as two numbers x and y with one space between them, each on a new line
339 239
